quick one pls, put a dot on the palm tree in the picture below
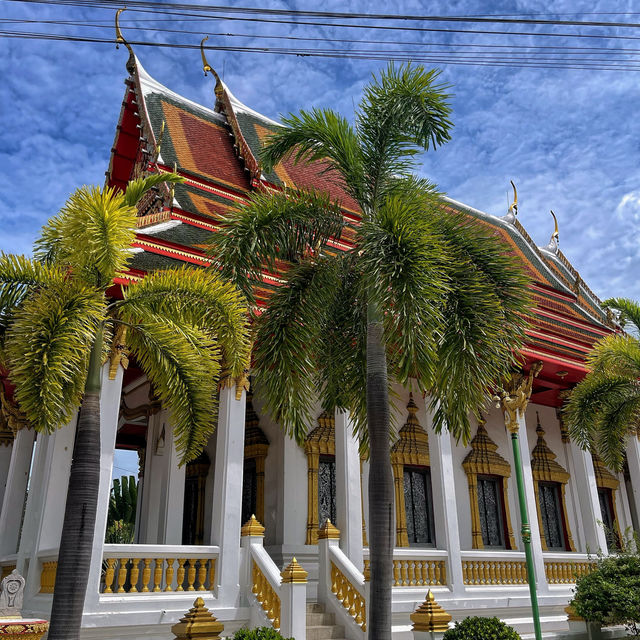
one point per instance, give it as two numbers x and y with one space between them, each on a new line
424 295
604 408
56 325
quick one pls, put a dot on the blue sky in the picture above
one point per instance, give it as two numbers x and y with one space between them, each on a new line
568 138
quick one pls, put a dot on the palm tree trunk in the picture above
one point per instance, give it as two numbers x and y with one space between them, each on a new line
380 482
74 558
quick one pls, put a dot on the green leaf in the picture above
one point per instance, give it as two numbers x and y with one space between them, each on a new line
138 187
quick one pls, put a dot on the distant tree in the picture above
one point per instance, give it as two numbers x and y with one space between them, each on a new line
121 521
603 409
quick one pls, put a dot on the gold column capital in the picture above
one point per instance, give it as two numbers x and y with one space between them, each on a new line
293 572
328 531
514 397
252 528
430 616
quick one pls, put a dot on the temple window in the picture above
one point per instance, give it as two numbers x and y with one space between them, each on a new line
320 448
412 481
490 511
549 482
418 505
256 447
487 476
194 493
607 485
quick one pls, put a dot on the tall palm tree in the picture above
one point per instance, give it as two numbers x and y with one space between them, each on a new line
56 325
604 408
423 295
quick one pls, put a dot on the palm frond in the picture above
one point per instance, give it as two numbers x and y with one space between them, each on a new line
287 342
629 310
138 187
484 325
616 354
401 113
318 135
20 276
198 297
270 229
49 246
183 364
404 257
47 347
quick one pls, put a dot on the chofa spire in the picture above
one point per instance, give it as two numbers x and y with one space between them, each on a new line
131 62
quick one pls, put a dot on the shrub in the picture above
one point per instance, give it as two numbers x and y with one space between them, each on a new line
260 633
611 593
478 628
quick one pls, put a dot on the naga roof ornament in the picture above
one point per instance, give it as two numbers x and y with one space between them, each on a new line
554 241
513 207
131 62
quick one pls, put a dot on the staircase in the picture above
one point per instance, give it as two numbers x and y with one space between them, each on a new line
320 625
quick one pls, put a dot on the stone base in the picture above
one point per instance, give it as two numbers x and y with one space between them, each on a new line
21 629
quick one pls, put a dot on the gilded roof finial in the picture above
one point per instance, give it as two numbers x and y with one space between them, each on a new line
206 67
160 136
120 40
554 241
513 207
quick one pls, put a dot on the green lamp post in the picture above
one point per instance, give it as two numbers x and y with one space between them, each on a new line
513 401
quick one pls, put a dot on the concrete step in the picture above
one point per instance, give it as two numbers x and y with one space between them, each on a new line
318 619
324 632
315 607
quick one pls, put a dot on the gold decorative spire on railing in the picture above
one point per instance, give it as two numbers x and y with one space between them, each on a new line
430 616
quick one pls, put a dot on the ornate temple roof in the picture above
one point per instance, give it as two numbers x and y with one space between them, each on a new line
216 151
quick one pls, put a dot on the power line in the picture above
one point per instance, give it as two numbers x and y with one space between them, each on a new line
601 65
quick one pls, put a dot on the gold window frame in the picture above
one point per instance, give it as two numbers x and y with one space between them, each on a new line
410 449
606 480
484 459
319 442
256 447
544 468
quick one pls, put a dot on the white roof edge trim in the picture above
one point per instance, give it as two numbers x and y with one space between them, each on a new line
240 106
151 85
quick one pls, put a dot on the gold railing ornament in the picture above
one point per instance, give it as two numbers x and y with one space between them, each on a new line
514 397
199 622
430 616
328 531
118 352
293 573
348 596
266 595
252 528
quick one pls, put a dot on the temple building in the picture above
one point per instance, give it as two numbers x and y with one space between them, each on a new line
269 532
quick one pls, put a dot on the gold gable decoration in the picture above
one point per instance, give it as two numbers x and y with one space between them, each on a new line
256 447
412 449
484 459
544 468
320 441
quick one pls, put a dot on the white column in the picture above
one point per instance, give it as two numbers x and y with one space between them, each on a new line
48 486
348 491
15 491
633 460
532 511
6 451
292 500
444 506
227 493
171 493
587 490
109 411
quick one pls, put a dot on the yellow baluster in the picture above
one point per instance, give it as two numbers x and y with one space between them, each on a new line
109 575
135 572
212 574
146 574
169 574
432 572
191 574
180 576
157 574
396 573
122 574
202 574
